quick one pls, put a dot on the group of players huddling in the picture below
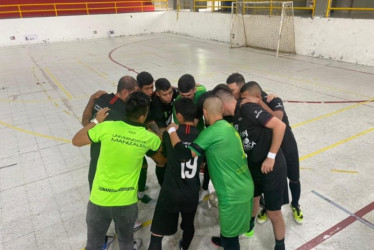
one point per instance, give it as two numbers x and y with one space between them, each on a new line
236 133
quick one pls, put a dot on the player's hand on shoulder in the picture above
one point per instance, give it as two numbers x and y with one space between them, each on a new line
270 97
98 94
102 114
172 125
267 166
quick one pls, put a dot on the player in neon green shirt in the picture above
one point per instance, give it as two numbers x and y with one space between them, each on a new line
114 191
228 169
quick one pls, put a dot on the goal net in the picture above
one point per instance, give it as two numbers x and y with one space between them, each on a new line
263 24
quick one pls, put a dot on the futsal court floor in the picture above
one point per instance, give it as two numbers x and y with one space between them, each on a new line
43 178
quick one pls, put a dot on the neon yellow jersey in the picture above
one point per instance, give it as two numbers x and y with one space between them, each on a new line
123 147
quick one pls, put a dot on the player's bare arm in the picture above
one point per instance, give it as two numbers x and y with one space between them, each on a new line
81 137
87 113
278 128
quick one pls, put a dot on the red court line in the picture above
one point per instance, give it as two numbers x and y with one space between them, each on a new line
336 228
328 102
111 58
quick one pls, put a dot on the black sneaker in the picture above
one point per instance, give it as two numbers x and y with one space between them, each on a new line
216 241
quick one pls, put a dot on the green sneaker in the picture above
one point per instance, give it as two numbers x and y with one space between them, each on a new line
262 217
249 233
145 199
297 214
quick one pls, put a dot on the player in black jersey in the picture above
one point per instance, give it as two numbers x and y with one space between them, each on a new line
180 190
146 84
161 112
261 135
289 148
116 103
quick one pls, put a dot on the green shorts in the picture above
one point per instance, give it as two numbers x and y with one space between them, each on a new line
234 219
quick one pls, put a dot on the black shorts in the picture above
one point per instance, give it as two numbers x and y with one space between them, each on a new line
273 185
166 222
291 153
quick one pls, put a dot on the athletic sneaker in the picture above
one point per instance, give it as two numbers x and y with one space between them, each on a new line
204 194
297 214
137 243
216 241
262 217
145 199
249 233
137 225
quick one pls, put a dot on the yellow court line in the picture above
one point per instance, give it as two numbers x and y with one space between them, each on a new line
69 96
147 223
102 74
344 171
306 168
335 144
34 133
331 114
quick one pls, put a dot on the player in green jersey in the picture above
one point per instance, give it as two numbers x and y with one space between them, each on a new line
114 190
228 170
189 89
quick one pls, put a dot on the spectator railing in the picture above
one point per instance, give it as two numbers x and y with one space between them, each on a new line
80 8
329 8
225 5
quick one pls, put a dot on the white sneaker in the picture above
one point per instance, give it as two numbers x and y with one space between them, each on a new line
137 225
203 194
137 243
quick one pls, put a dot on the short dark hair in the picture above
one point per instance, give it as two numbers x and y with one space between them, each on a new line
187 108
162 84
126 83
235 77
144 78
137 105
223 92
249 86
221 88
186 83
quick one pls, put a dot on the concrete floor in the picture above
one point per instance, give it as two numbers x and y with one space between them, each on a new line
43 178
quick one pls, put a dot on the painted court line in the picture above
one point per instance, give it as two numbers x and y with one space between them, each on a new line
367 223
337 228
68 95
331 114
34 133
336 144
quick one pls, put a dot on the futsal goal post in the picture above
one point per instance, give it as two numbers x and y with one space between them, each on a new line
263 24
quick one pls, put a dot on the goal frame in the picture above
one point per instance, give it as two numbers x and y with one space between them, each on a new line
234 12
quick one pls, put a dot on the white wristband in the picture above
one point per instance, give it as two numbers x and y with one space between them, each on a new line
271 155
171 130
94 120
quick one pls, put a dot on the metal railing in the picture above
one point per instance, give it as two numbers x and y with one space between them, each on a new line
81 8
225 5
329 8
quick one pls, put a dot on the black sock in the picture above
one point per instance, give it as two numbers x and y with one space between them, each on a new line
156 243
295 188
252 224
160 173
206 177
142 179
279 244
